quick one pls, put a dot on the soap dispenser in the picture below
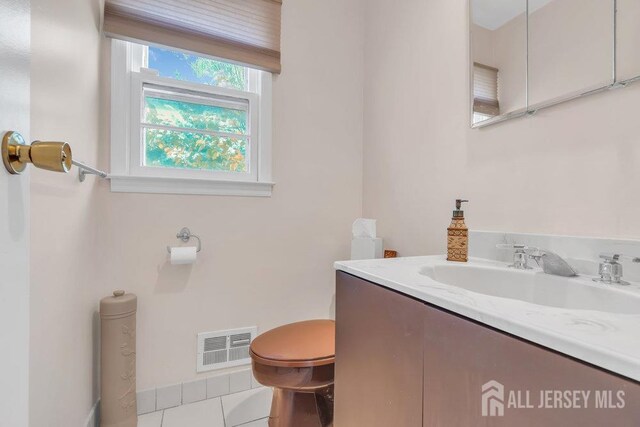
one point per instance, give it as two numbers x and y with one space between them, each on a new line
458 235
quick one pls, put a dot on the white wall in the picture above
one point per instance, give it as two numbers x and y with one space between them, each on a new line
510 47
265 261
572 169
65 215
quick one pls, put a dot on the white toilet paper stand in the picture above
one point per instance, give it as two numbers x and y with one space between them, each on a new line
185 235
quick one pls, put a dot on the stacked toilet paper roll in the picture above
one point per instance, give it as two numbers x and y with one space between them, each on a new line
364 243
183 255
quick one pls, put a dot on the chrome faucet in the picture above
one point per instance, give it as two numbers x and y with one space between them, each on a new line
520 256
550 262
553 263
610 269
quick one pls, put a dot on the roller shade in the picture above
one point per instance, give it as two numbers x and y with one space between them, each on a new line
241 31
485 90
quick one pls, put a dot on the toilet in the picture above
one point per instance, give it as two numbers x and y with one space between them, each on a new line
297 361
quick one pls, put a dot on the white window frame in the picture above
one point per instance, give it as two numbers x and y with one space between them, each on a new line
130 79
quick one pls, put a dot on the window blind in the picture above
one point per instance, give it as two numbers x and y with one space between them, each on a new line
241 31
485 90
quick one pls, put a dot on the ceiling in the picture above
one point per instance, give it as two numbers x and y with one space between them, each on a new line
493 14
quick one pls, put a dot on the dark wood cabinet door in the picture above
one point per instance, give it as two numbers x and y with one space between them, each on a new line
404 363
460 356
379 355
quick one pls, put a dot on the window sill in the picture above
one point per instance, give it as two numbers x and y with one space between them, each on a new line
156 185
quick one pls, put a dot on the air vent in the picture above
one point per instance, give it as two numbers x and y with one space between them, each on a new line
215 343
223 349
214 357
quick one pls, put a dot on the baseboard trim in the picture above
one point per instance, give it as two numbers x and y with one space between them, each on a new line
233 382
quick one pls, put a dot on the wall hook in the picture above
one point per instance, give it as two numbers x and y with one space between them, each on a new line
84 170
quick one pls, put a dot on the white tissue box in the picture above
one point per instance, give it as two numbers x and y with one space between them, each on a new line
366 248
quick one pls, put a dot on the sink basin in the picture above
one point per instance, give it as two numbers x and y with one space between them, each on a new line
535 287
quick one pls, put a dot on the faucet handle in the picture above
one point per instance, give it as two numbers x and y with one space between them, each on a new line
611 270
516 246
520 256
520 248
614 258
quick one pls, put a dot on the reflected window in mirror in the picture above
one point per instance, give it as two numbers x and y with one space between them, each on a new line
498 58
485 92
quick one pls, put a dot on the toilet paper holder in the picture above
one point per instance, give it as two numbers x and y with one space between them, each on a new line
185 235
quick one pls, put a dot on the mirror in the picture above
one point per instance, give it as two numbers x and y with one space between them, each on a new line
499 59
570 48
532 54
628 39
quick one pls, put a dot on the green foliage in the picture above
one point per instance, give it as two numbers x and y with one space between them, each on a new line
194 150
166 112
220 73
166 148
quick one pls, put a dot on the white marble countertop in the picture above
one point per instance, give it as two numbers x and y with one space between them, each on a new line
608 340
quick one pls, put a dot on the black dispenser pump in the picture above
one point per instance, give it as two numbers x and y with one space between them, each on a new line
459 213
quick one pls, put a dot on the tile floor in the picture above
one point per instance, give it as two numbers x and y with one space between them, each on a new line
245 409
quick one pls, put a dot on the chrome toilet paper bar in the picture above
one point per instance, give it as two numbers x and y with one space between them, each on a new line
185 235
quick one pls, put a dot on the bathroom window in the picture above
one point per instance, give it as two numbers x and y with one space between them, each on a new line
188 124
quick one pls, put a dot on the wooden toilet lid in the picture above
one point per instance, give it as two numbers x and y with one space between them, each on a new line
301 344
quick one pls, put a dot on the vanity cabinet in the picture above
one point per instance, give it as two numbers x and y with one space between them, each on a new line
402 362
379 354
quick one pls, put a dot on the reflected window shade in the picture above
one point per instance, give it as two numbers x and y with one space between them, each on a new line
485 90
240 31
